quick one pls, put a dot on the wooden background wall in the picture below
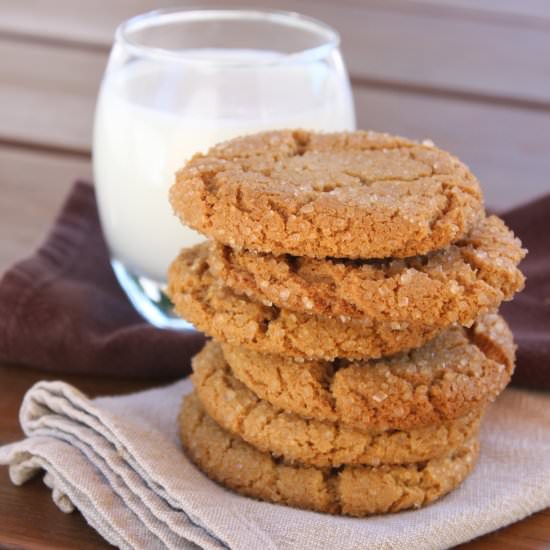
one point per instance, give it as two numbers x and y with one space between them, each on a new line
472 75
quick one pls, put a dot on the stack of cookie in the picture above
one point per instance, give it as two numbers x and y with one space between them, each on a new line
350 287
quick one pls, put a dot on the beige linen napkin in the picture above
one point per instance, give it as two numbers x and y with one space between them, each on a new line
118 461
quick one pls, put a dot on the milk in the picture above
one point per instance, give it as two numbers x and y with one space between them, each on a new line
153 116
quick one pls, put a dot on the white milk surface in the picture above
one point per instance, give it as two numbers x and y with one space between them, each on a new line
153 116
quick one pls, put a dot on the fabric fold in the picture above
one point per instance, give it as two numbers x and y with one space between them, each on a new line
119 462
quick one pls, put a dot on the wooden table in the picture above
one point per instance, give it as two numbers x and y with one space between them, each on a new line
472 75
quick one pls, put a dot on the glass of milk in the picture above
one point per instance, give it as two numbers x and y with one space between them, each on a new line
179 81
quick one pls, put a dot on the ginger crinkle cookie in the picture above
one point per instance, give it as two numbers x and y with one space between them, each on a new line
456 373
213 308
349 490
345 195
323 444
351 288
455 284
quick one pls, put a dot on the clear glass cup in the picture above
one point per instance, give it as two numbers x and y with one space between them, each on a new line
179 81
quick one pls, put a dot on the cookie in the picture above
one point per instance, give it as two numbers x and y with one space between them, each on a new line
456 284
323 444
454 374
350 490
221 313
347 195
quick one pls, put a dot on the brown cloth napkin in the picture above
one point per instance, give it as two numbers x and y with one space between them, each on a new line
529 312
62 309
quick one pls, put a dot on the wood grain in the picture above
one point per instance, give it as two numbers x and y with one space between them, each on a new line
54 107
47 95
33 186
508 149
424 43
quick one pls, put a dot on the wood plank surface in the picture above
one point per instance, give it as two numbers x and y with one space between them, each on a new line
507 148
47 95
474 75
33 185
35 507
48 99
391 41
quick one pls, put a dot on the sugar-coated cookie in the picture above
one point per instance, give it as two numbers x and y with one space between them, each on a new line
456 284
348 195
457 372
213 308
349 490
312 442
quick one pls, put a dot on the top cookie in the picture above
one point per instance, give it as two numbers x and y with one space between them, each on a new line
346 195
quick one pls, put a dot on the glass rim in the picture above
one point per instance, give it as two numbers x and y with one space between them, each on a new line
331 38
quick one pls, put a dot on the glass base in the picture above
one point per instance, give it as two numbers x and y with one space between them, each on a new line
148 298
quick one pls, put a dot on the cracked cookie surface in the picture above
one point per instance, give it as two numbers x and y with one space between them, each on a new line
456 284
312 442
348 195
455 373
350 490
203 300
